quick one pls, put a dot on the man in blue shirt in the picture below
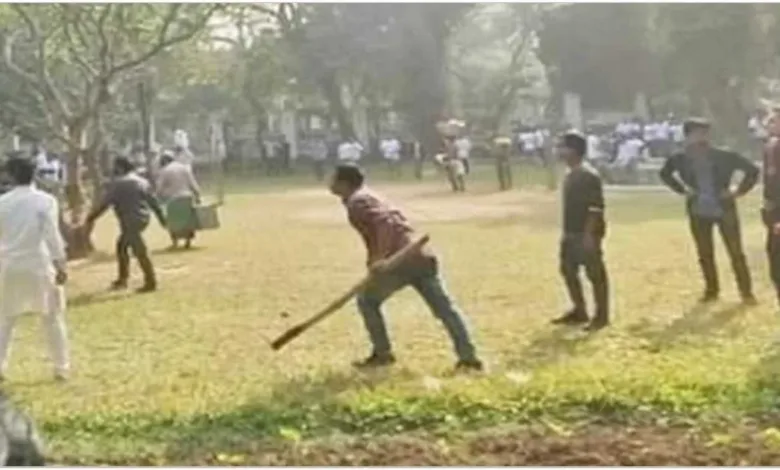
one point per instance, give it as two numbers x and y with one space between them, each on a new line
703 173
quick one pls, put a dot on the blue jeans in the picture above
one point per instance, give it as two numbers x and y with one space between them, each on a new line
430 286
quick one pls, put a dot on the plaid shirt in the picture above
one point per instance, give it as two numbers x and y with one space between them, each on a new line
384 228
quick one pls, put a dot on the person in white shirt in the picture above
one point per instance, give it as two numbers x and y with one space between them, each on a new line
630 153
32 264
528 142
594 150
391 151
350 151
463 148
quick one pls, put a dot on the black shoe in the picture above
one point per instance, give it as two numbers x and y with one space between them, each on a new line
119 285
574 317
472 365
146 289
374 361
708 297
597 324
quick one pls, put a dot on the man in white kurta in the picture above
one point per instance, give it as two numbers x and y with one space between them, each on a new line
32 265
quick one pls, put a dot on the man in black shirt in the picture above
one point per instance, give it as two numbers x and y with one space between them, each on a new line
583 231
131 197
702 173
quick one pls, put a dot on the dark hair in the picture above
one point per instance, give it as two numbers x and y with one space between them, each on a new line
123 165
166 158
21 170
693 124
350 174
575 141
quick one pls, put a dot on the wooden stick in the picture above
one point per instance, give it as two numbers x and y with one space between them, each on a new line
334 306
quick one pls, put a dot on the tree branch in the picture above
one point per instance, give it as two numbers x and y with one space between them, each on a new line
163 41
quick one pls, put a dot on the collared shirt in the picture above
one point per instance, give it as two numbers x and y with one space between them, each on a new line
176 180
384 229
707 203
30 239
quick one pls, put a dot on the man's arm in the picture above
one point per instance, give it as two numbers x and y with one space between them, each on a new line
101 207
193 183
669 178
53 238
594 197
154 204
750 171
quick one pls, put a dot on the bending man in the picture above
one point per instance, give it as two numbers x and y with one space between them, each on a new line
385 231
131 197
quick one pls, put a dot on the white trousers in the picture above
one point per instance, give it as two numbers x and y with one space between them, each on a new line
27 292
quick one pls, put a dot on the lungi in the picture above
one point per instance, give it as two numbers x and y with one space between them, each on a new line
181 218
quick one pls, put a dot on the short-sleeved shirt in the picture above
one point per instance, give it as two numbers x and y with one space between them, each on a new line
582 196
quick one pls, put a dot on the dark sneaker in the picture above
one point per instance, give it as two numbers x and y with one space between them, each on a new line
574 317
597 324
146 288
708 297
374 361
473 365
119 285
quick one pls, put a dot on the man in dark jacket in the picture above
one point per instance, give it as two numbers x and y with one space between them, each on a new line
771 206
702 173
132 199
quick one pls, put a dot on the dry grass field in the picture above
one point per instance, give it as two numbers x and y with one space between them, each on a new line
186 375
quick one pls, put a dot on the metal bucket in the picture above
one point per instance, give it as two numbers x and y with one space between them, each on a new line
207 216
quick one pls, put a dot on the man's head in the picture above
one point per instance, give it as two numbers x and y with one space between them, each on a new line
166 159
21 171
697 131
123 166
346 180
571 148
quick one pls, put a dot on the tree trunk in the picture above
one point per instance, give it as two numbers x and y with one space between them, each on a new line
77 241
332 93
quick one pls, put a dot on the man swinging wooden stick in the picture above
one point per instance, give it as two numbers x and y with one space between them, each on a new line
385 231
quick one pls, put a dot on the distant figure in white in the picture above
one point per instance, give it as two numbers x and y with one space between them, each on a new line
32 265
391 152
463 148
350 151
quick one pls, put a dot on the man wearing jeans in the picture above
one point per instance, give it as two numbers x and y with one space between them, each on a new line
385 231
703 174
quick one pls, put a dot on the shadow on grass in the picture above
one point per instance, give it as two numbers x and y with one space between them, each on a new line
551 347
86 299
96 258
307 390
699 320
178 251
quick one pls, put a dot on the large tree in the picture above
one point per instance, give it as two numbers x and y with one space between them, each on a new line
69 60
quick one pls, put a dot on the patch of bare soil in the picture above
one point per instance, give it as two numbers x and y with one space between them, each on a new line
424 204
593 445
